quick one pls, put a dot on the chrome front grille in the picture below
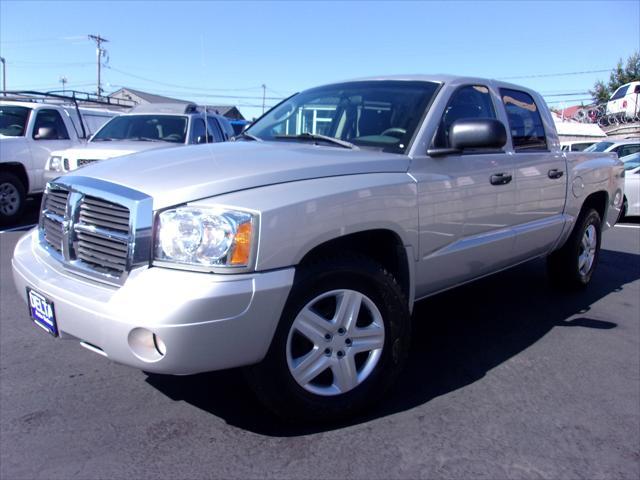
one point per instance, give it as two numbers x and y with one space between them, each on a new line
55 205
96 229
102 233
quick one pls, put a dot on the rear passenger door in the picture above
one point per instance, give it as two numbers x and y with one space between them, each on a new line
540 177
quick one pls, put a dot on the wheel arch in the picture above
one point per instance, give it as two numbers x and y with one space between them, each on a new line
18 170
382 245
599 201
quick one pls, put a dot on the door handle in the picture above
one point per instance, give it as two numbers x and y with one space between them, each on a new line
555 173
500 178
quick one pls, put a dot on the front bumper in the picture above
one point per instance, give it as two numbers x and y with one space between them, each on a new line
207 322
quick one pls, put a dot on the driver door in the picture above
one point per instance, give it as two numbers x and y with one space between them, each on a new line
465 217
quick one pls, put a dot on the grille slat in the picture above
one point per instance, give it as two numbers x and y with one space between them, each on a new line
55 203
112 244
99 248
86 161
100 220
91 251
104 265
105 204
88 207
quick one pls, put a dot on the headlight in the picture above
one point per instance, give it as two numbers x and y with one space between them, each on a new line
205 237
55 164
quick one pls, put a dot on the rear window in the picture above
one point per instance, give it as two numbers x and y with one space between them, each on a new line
525 122
621 92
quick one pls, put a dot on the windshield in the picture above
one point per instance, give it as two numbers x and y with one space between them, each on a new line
378 114
598 147
13 120
165 128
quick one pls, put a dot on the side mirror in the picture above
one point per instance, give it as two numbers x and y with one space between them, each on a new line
477 133
473 133
46 133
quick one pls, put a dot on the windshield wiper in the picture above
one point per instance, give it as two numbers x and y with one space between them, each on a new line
247 136
102 139
315 137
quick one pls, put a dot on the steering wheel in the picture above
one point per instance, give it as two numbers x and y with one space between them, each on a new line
394 132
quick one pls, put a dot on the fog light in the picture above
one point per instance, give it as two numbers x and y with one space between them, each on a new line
146 345
160 346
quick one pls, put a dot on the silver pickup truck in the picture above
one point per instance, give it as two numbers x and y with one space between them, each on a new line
299 250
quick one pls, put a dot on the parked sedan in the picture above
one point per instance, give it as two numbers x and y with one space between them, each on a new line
631 206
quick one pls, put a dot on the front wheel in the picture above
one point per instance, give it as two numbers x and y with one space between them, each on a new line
573 265
341 342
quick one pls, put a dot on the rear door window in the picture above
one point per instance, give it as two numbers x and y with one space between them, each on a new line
525 122
214 130
198 131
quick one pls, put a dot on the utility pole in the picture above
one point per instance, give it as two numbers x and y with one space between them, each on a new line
99 52
264 93
63 81
4 75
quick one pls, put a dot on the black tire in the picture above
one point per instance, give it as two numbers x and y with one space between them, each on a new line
272 379
12 198
564 266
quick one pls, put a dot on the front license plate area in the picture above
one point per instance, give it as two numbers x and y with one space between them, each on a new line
42 312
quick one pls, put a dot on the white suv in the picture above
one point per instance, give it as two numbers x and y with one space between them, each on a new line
624 102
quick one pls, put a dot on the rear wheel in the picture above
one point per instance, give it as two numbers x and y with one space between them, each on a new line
341 342
573 265
12 197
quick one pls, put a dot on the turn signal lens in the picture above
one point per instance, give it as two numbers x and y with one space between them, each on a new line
242 249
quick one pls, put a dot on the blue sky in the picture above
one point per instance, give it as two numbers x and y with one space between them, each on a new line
222 52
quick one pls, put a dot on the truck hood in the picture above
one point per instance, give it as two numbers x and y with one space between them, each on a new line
104 150
175 176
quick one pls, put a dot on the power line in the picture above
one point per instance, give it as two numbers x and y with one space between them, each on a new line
209 95
541 75
185 87
567 94
590 100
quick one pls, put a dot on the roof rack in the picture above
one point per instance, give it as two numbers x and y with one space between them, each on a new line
66 96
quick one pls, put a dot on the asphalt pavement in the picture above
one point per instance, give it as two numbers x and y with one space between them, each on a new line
507 378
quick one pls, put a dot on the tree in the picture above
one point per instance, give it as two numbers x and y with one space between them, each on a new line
623 73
